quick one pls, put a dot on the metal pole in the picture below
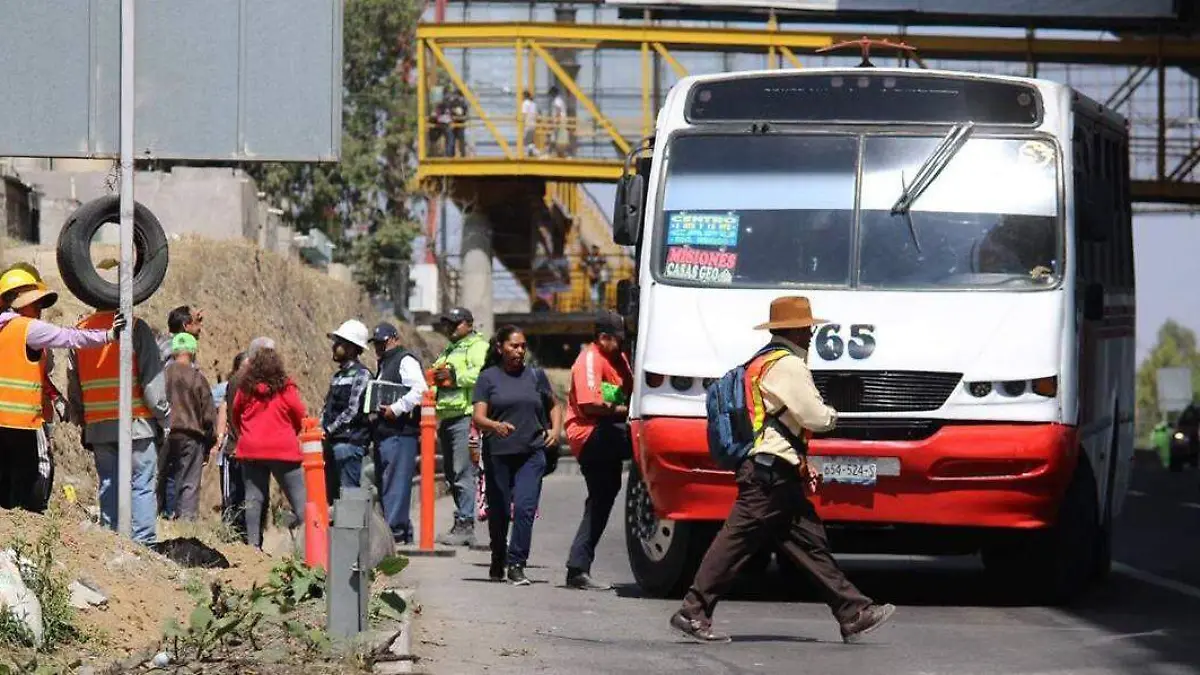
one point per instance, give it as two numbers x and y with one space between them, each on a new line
125 402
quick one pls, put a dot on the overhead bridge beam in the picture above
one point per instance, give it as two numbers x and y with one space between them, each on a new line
1128 51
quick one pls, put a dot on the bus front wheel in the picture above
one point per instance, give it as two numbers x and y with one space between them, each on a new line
663 554
1057 564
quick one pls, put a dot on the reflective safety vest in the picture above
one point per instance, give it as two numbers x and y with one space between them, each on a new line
20 379
756 370
99 377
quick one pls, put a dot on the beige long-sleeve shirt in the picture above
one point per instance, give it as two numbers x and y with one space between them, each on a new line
789 384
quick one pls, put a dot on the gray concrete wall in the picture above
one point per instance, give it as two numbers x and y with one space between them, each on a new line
214 203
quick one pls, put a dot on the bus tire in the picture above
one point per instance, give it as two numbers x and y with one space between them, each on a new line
663 555
74 254
1056 565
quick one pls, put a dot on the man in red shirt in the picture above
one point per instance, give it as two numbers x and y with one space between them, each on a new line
598 433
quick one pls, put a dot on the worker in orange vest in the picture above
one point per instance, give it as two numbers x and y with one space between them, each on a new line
93 394
26 466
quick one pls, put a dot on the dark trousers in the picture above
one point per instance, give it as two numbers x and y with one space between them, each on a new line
19 470
600 461
771 507
185 464
397 463
514 482
233 496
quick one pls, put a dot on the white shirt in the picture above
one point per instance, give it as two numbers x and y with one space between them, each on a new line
411 377
559 106
529 112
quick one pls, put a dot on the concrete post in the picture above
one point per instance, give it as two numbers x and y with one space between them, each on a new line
348 582
476 281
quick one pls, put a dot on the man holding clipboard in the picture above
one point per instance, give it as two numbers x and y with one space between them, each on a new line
395 400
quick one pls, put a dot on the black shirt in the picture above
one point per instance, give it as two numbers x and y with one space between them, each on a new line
521 399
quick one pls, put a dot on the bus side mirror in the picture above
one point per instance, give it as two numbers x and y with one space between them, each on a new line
627 296
1093 303
627 212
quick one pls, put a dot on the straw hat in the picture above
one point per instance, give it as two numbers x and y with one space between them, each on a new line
32 294
790 312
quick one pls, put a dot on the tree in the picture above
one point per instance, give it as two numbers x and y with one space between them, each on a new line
368 187
1176 347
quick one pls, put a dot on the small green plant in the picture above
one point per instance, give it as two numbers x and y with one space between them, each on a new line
387 605
222 616
315 640
13 631
292 582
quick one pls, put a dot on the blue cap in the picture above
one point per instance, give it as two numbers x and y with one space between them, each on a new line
384 332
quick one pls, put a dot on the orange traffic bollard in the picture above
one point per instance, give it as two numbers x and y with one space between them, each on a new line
428 452
316 507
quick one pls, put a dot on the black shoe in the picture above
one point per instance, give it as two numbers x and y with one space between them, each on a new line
496 572
701 631
584 582
867 620
516 575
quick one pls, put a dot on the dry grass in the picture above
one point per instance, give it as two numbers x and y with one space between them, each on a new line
245 292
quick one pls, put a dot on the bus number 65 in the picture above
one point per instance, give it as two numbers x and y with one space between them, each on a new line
860 344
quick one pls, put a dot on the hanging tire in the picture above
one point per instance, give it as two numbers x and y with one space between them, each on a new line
663 554
74 254
1056 565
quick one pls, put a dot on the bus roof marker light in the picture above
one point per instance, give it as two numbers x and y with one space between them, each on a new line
865 43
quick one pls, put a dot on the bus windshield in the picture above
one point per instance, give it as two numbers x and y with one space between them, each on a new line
779 211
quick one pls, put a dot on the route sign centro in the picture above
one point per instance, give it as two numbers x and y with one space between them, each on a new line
233 80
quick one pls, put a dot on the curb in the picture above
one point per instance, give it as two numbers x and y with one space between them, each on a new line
394 656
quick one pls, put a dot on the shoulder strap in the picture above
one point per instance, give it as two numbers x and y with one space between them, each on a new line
773 419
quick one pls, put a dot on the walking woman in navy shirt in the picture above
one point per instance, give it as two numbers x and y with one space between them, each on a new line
521 421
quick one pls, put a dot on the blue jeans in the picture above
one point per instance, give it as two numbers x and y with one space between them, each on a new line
513 481
349 464
397 463
454 437
145 478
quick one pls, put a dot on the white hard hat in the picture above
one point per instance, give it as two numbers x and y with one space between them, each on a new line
353 331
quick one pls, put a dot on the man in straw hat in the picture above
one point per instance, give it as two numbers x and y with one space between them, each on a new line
772 505
25 463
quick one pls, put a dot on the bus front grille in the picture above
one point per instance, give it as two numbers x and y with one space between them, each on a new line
865 391
881 429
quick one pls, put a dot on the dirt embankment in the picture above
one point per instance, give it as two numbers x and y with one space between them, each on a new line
144 590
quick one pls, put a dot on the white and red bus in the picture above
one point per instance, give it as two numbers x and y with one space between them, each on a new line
968 236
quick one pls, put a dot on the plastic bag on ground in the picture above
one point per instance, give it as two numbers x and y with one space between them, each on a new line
17 597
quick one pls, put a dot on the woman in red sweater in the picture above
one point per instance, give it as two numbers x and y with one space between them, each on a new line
267 411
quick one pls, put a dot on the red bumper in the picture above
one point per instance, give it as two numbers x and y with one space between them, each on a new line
966 475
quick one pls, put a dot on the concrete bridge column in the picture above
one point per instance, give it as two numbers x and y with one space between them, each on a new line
475 282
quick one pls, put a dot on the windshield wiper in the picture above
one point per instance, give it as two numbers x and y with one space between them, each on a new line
928 172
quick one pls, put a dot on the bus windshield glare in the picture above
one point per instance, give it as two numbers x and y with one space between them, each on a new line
778 210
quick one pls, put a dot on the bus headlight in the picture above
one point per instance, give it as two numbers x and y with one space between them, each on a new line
681 383
1045 386
1013 387
979 389
654 380
1179 436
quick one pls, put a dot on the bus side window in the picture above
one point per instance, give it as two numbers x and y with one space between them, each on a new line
1089 213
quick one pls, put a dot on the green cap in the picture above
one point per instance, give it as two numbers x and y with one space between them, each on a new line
183 342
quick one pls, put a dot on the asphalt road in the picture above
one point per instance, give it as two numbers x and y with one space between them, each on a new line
1146 620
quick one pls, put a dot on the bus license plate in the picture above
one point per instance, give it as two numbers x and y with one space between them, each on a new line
849 470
